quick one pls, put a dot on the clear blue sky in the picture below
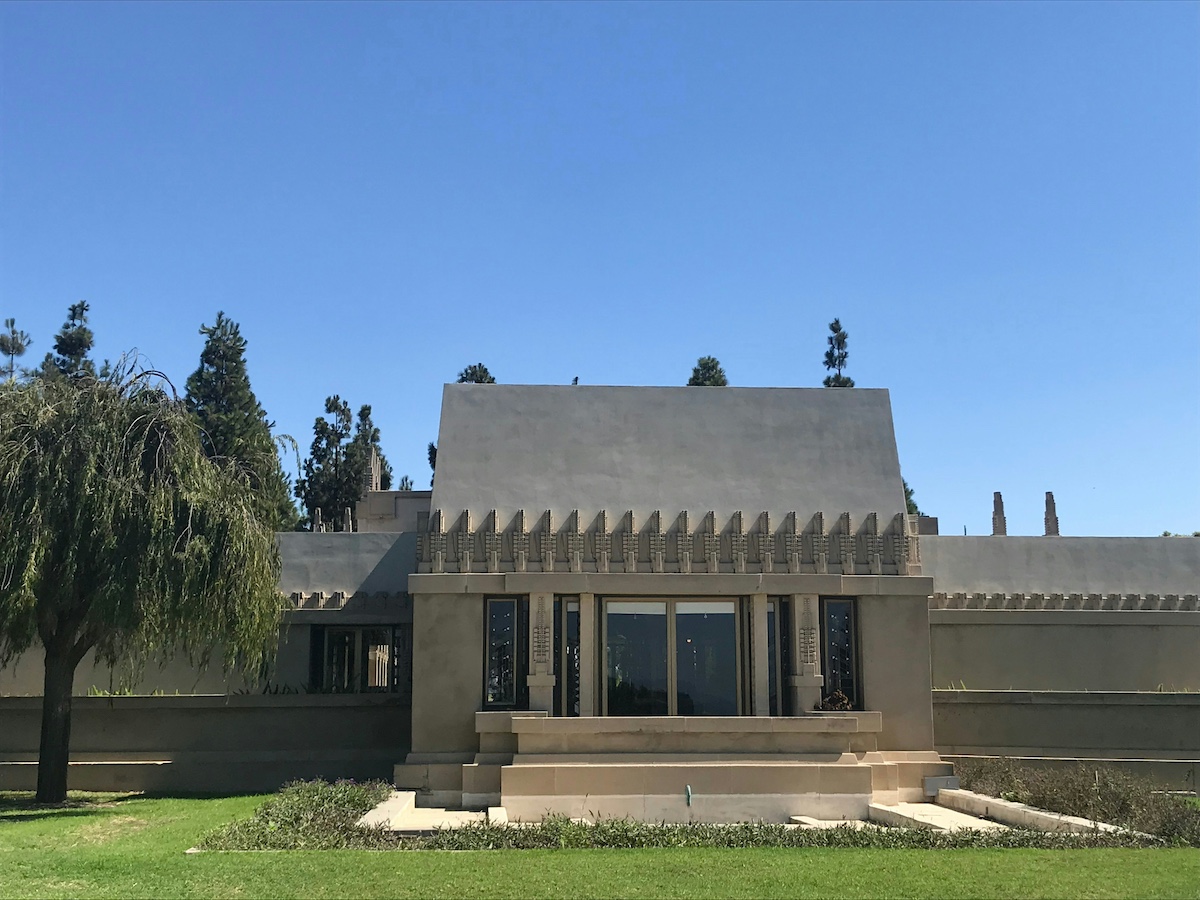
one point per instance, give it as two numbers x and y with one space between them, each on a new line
1000 201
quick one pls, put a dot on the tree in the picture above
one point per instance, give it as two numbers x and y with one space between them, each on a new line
406 483
366 440
909 502
72 345
233 424
836 356
123 537
336 469
708 373
13 343
431 452
476 374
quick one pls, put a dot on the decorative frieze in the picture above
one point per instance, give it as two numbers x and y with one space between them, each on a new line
723 544
1068 602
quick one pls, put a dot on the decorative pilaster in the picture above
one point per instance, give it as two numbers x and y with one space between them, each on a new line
793 543
820 544
766 543
760 673
546 542
574 543
541 678
587 654
712 543
683 543
874 542
603 542
465 540
520 541
629 543
846 543
492 543
437 543
806 680
737 543
658 542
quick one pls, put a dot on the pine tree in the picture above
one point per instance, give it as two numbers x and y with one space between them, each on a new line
909 501
336 470
234 425
72 345
708 373
13 343
431 452
476 374
836 356
366 439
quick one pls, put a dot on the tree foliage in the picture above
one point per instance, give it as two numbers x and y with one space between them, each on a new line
836 356
13 343
233 424
122 536
909 501
72 345
708 373
336 470
476 374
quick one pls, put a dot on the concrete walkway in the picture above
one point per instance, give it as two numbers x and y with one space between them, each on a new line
399 812
928 815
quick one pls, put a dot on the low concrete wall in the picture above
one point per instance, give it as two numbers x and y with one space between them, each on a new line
1061 650
211 744
1158 734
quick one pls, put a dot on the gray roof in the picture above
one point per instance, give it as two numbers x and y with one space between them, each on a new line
1062 565
538 447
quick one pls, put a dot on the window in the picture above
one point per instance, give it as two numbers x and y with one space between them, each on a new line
839 647
566 656
672 657
506 627
356 659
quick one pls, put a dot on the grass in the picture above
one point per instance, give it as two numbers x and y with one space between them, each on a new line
132 846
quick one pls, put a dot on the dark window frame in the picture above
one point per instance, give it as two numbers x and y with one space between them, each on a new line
520 651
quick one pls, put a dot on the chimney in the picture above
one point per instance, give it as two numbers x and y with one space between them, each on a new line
1051 516
999 523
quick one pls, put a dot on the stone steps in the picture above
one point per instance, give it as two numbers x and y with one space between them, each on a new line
928 815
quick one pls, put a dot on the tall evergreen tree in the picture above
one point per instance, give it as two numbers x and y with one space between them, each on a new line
366 439
476 374
13 343
233 424
337 467
836 356
72 345
910 501
708 373
431 452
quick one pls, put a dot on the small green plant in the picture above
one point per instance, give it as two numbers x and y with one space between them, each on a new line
1100 793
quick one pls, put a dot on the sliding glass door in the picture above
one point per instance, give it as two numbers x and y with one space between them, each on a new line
671 657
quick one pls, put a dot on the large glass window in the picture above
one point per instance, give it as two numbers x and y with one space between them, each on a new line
503 652
357 659
636 658
677 657
706 659
840 648
566 660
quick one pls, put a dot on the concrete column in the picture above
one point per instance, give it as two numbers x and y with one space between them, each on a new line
759 684
805 680
541 678
588 702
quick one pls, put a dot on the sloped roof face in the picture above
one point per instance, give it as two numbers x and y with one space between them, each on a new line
562 448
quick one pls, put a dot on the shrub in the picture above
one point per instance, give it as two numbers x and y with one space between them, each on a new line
308 815
1101 793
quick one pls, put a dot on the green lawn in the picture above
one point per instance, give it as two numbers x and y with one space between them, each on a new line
134 847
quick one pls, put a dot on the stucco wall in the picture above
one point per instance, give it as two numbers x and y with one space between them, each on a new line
237 743
894 642
24 676
1064 565
447 672
1101 725
1045 650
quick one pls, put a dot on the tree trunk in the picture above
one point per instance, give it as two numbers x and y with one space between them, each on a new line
55 751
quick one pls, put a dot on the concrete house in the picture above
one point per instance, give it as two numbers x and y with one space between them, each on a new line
671 603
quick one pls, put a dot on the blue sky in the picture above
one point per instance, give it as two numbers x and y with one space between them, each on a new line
1000 201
